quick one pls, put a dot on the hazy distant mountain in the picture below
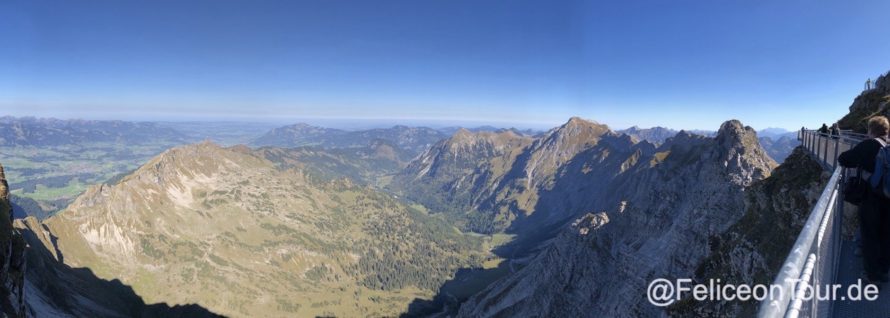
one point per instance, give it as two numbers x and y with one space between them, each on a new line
453 129
705 133
414 140
224 133
658 135
781 147
655 135
774 133
364 165
32 131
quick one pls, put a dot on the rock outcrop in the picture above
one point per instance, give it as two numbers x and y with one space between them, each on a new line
869 103
12 260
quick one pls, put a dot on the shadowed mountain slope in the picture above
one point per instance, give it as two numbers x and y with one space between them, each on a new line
654 221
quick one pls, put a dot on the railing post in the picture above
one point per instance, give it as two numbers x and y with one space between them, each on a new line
825 150
837 147
806 140
809 141
818 147
811 145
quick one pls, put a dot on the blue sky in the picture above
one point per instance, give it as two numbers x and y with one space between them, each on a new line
680 64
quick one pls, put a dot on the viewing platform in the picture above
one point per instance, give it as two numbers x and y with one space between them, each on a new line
822 255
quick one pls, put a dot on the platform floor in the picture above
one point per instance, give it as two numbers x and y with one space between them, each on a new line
850 269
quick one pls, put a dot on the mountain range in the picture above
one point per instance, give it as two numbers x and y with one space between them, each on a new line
777 142
411 140
657 220
30 131
314 221
375 222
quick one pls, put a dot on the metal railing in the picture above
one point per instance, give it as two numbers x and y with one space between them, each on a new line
813 260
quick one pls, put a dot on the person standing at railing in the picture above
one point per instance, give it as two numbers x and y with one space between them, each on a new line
835 132
874 211
823 129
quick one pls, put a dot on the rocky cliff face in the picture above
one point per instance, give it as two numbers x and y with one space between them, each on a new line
656 221
753 249
457 174
503 177
867 104
12 260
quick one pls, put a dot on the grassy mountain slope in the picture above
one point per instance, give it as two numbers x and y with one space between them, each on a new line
199 219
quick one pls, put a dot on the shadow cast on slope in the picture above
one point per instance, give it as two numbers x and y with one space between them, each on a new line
577 190
470 281
79 292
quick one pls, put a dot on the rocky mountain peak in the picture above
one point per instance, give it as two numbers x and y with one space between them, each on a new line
188 154
575 120
176 166
578 124
465 140
733 132
462 133
575 134
740 151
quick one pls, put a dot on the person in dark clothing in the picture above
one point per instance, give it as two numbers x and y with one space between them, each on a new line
823 129
835 132
874 212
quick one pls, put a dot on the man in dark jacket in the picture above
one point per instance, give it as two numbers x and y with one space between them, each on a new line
823 129
874 212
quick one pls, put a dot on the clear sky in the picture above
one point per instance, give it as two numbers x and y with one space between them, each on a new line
680 64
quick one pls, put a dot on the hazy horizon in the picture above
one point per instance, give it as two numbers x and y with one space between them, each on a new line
366 123
523 63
